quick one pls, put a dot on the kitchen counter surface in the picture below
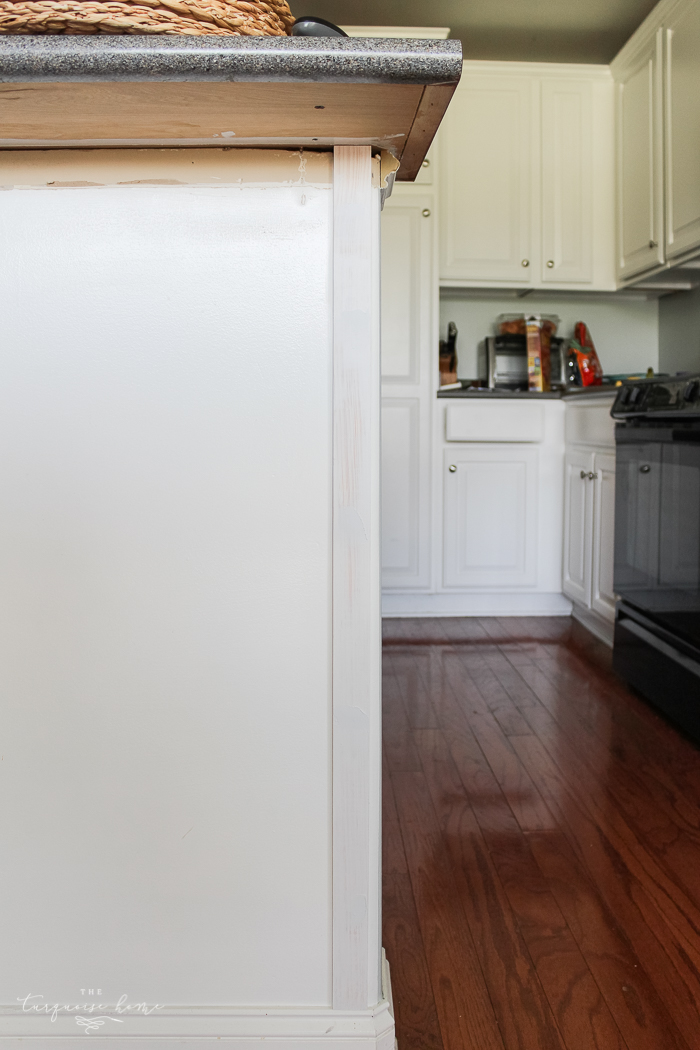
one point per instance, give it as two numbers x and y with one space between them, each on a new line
180 91
584 394
229 58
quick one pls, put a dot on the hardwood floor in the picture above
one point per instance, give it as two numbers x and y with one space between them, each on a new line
541 845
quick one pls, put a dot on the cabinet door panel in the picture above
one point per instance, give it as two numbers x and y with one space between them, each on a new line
400 489
638 492
403 290
490 517
682 138
567 180
640 163
602 591
577 526
485 176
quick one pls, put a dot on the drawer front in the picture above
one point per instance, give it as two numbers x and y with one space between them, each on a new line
590 424
494 420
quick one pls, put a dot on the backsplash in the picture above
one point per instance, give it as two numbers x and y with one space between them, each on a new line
679 332
625 331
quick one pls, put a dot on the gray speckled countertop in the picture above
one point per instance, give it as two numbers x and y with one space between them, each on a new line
226 58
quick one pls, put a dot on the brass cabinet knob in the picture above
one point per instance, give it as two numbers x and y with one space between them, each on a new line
452 468
426 213
550 264
525 262
426 163
653 244
584 475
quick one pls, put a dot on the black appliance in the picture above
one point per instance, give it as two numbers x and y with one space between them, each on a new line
657 544
310 25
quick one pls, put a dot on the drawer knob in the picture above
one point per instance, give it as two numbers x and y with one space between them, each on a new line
525 262
645 469
426 213
592 476
584 475
426 163
452 468
653 244
550 264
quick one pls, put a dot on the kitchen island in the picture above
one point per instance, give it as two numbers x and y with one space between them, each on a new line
189 566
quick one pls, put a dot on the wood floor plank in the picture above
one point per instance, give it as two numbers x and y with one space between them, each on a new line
399 748
664 820
524 1015
575 999
645 816
542 850
393 854
463 1004
668 954
414 1004
523 797
412 672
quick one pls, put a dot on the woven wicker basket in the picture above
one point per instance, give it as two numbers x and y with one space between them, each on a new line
193 18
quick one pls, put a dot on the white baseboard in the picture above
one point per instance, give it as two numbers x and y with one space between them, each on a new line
203 1028
492 604
386 989
602 629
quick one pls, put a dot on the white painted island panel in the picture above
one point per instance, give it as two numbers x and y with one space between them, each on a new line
150 510
175 499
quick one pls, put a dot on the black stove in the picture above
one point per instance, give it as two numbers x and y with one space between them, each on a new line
657 544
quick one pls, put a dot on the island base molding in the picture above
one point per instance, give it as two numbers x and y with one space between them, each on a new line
200 1029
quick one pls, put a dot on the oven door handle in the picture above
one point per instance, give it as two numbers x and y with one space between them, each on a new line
663 647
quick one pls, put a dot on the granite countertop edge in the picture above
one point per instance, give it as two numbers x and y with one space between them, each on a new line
229 58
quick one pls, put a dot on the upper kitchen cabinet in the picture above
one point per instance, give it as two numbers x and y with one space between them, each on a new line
526 176
486 168
682 119
640 193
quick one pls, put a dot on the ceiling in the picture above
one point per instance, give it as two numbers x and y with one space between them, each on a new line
512 30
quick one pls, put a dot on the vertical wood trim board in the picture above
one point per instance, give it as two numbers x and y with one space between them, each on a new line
355 692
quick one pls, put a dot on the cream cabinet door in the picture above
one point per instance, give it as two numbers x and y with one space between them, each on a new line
490 516
602 593
567 180
400 490
407 233
408 278
577 525
683 130
640 205
486 156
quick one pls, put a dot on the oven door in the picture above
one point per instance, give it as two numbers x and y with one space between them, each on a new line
657 526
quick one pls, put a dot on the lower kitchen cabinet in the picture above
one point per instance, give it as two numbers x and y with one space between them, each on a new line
602 592
589 515
490 516
589 530
401 490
